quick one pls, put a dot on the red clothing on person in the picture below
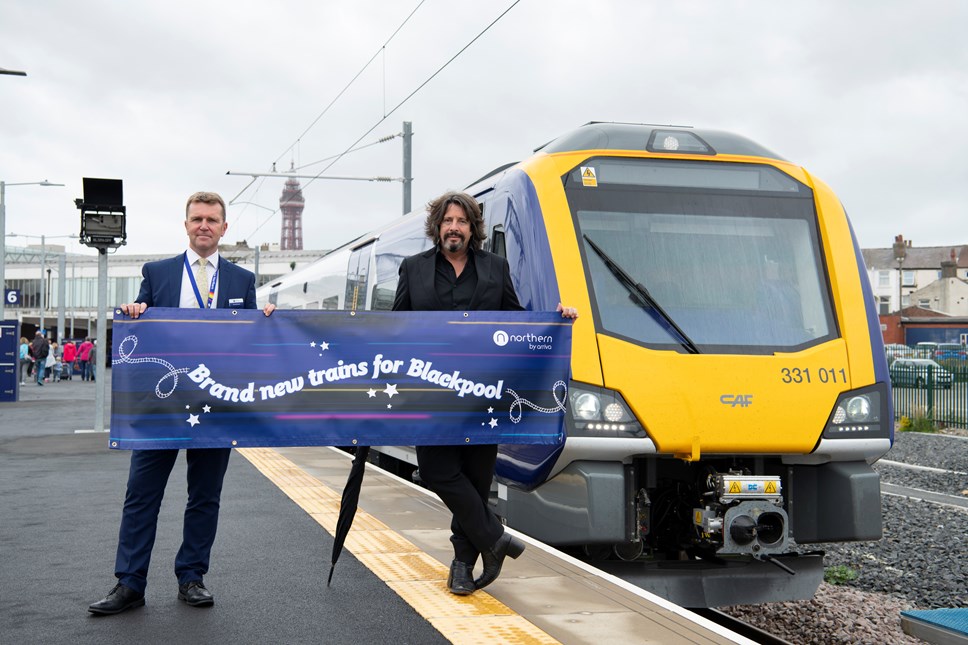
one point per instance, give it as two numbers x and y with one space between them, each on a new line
84 351
70 352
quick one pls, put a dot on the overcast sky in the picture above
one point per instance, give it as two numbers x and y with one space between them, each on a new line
869 96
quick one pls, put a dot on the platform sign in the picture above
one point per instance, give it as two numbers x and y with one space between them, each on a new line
12 297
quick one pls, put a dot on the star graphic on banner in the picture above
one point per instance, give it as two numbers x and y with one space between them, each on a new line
206 409
188 407
324 346
371 393
490 410
493 422
193 419
312 344
391 390
389 406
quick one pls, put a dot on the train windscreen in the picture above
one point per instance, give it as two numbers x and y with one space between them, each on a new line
715 257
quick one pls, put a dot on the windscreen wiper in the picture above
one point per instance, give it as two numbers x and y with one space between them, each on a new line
640 295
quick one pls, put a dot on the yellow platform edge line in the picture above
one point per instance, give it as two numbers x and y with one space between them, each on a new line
417 578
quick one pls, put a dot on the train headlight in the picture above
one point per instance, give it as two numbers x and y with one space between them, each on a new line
599 412
587 406
857 415
859 409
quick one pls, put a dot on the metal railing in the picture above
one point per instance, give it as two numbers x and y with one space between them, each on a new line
938 393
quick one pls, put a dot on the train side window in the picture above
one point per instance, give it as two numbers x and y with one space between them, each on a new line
383 295
331 303
357 275
497 241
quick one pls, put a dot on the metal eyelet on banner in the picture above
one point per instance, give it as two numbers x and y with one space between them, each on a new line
352 313
467 439
235 312
114 444
234 442
354 442
466 314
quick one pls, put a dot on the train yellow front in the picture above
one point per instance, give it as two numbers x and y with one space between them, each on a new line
729 388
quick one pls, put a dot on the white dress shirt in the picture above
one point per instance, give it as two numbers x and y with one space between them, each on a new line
187 300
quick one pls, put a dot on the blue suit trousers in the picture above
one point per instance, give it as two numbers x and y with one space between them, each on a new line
147 479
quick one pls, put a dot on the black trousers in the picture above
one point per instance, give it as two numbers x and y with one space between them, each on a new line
461 476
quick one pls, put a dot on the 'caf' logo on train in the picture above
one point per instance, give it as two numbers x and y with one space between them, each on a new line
732 400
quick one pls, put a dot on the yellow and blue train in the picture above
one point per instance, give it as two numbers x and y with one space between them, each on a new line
729 386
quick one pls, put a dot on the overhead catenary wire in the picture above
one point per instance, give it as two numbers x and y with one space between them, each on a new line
352 80
379 122
414 92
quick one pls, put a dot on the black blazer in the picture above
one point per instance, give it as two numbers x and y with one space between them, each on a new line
161 284
494 292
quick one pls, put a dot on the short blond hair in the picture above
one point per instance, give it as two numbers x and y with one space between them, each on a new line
205 198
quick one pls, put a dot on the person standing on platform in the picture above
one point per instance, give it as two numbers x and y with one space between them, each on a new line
92 360
70 355
457 275
197 278
23 360
83 356
40 349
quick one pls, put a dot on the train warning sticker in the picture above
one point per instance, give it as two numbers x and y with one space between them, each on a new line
588 177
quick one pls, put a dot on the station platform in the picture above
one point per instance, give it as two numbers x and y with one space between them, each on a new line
61 492
939 626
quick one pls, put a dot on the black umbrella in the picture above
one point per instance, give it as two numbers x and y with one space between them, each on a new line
348 504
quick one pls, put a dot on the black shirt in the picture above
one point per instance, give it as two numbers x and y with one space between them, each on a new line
455 292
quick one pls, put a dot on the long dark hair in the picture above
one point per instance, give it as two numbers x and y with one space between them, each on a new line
437 208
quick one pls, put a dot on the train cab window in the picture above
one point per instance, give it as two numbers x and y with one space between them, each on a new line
729 253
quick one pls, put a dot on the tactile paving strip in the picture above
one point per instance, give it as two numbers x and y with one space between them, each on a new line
416 577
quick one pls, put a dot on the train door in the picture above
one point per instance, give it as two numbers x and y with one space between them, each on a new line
357 274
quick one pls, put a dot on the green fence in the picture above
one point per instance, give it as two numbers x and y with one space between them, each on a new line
937 391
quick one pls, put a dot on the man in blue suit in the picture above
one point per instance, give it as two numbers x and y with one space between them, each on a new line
197 278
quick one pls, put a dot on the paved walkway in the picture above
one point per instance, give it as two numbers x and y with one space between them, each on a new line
60 505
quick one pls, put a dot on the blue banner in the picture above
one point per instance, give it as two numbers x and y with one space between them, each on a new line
222 378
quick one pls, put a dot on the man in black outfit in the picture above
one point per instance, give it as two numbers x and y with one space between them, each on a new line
457 275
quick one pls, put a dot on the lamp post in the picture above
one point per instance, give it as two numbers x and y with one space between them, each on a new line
900 252
3 231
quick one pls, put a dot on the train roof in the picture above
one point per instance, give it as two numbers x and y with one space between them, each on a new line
656 138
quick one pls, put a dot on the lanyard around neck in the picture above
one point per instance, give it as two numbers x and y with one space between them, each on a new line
211 288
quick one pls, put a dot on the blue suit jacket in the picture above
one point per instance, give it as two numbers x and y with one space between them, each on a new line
161 283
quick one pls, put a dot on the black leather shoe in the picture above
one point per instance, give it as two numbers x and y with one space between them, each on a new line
118 599
506 546
195 594
461 578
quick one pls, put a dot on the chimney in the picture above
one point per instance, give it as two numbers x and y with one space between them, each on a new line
949 267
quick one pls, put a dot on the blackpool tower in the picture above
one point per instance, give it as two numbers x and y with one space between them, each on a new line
291 204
